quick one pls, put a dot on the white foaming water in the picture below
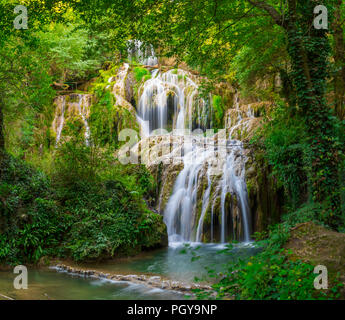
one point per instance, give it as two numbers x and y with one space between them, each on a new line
171 101
82 105
225 172
233 181
77 103
61 119
145 54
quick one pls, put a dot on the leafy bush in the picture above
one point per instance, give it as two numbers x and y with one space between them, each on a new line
287 152
218 109
94 209
31 223
105 201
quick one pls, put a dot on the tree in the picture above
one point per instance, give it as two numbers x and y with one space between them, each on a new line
15 73
338 33
309 51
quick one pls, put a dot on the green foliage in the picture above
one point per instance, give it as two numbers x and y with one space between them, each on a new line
31 223
314 212
24 94
286 150
103 119
94 209
261 58
105 201
67 45
141 73
218 108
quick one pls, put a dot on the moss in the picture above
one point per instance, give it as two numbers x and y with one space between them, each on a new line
140 73
266 197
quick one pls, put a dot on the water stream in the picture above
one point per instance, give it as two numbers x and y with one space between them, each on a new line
171 263
46 284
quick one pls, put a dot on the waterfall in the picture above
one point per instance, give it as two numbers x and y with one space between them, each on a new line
213 166
82 112
224 168
60 119
144 54
66 108
233 181
171 101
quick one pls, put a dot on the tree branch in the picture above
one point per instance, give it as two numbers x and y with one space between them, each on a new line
275 15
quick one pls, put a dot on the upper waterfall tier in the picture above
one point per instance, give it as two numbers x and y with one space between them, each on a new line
144 54
171 100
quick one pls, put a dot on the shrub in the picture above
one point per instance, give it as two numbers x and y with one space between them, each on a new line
31 223
94 209
218 109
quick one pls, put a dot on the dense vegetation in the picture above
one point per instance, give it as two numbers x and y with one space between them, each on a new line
85 211
77 202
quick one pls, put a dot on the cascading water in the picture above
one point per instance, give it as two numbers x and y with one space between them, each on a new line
65 109
170 101
180 211
144 54
211 173
82 112
213 166
60 119
233 181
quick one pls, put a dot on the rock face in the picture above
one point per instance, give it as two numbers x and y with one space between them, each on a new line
73 111
266 197
121 87
218 206
318 246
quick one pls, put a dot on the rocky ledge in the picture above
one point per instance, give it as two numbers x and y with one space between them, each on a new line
151 281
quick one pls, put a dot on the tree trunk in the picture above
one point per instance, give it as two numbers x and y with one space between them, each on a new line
2 138
309 52
339 60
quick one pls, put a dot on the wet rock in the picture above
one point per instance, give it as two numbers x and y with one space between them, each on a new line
154 280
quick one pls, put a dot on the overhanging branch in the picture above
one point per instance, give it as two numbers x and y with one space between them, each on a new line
275 15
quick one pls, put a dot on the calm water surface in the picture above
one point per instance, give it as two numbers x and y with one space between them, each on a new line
173 263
